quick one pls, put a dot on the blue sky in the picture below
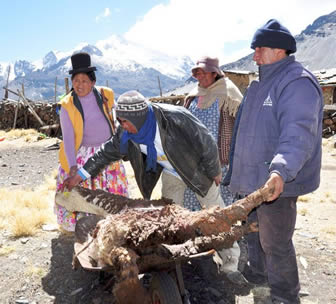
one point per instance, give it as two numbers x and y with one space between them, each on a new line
32 28
222 28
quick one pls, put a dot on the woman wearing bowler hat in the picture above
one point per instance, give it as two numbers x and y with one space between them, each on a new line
87 122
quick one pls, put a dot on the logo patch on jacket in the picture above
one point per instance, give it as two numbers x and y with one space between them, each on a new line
268 102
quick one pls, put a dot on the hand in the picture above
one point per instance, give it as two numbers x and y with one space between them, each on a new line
218 179
276 183
73 171
71 182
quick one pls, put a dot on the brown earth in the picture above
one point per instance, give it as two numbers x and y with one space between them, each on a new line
38 269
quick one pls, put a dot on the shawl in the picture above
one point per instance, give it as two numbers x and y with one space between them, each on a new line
229 99
223 90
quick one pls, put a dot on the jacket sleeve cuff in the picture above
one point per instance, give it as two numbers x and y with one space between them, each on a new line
83 174
280 172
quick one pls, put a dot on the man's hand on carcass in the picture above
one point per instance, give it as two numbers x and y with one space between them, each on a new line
71 182
218 179
276 183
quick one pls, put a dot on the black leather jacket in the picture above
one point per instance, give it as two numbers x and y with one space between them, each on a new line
187 143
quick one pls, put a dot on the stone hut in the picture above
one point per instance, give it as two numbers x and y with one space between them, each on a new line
241 79
327 80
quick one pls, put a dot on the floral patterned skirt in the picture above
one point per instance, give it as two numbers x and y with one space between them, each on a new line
112 179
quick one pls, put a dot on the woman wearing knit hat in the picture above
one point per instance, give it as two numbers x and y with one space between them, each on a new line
277 143
86 123
160 138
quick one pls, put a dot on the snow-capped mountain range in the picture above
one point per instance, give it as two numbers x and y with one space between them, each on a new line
315 47
120 64
128 66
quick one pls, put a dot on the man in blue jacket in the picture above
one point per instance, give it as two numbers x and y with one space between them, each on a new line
277 142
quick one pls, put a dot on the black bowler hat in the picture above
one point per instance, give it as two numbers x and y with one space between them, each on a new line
81 63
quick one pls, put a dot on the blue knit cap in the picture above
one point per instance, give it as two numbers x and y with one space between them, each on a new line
274 35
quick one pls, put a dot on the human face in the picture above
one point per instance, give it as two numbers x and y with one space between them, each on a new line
265 55
127 125
82 84
205 79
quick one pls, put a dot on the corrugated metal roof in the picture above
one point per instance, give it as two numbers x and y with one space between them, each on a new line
326 77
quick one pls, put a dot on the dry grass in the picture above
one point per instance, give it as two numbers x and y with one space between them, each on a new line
23 212
304 198
6 250
27 134
35 271
303 211
329 230
328 144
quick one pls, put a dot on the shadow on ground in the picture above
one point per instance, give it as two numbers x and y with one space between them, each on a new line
72 286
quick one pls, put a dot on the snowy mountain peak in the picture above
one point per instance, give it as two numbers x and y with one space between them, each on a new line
49 59
315 47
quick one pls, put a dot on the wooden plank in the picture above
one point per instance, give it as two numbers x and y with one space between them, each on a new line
9 90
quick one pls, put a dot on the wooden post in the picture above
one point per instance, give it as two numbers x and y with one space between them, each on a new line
6 89
66 80
22 85
56 89
16 113
160 86
15 93
30 108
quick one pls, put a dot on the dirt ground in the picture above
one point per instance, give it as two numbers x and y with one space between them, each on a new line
38 269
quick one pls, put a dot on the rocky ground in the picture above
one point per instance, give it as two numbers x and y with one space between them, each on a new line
38 269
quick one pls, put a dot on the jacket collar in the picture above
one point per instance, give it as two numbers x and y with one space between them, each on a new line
266 71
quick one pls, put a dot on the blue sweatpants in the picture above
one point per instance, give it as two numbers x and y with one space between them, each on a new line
271 250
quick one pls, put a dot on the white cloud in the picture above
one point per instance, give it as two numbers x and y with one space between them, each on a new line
218 27
106 13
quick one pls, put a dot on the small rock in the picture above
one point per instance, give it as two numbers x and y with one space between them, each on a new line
21 301
76 291
327 273
304 293
49 227
24 240
24 260
304 262
307 235
43 246
13 256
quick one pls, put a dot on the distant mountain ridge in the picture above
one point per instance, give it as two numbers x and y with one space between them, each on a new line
120 64
125 66
316 47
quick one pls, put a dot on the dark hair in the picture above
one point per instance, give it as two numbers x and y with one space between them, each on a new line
90 74
218 77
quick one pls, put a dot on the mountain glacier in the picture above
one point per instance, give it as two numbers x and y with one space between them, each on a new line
120 64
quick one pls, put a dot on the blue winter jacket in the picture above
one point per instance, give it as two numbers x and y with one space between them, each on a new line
280 130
